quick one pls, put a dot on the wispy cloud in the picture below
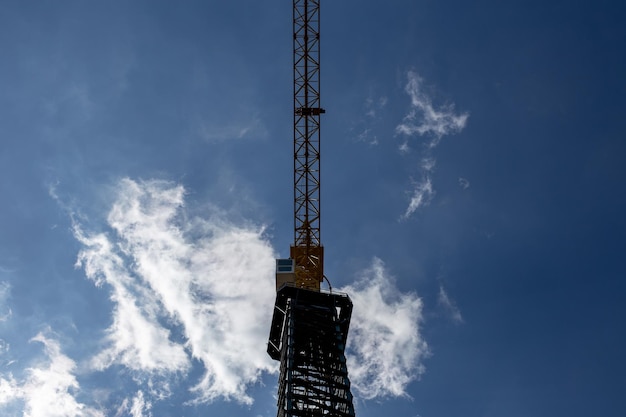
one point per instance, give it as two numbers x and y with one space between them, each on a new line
135 339
421 195
49 388
464 183
5 310
189 290
449 305
385 345
212 131
373 106
137 406
424 119
210 278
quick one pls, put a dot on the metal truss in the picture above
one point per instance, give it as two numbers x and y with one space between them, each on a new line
312 328
307 250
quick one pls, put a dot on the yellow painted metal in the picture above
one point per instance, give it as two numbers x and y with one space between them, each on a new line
309 266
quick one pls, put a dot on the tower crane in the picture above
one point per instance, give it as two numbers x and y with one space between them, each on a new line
309 326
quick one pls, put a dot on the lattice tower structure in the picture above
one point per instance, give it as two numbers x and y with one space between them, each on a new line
309 326
308 336
307 250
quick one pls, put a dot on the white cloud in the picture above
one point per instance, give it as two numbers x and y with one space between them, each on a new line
135 339
365 126
5 314
464 183
5 310
211 278
122 409
374 105
422 194
385 345
4 347
140 405
5 290
189 289
240 129
428 164
137 406
366 136
449 305
49 389
9 390
424 119
423 190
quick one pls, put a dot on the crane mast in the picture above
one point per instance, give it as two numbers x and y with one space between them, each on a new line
307 250
309 326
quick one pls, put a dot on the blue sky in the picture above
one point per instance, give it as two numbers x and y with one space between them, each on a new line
472 204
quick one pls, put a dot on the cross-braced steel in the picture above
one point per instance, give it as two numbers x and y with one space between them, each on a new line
307 250
309 326
308 335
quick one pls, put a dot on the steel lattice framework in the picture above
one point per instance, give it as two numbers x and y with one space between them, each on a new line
308 336
309 326
307 250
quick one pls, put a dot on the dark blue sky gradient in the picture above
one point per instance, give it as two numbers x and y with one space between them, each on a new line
200 93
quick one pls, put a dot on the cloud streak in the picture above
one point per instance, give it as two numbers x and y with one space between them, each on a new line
449 305
135 339
424 119
364 128
421 195
5 311
209 279
385 346
49 388
199 290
